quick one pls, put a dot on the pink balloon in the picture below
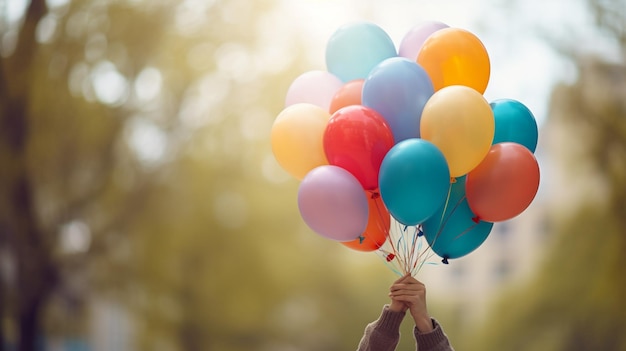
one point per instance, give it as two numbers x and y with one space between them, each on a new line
313 87
333 204
413 40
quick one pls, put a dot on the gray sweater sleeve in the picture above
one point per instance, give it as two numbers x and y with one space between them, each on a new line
384 334
435 340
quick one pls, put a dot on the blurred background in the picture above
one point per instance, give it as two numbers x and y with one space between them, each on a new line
141 207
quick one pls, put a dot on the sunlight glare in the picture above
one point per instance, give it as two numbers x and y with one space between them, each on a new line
110 86
148 84
147 140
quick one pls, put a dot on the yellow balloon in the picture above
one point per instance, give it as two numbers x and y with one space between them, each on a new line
297 138
453 56
460 122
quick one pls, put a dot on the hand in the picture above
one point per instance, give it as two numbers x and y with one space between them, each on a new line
397 305
409 293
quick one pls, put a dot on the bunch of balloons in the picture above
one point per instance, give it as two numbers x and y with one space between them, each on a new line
406 137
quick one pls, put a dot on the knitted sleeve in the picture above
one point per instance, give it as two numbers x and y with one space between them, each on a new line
384 333
435 340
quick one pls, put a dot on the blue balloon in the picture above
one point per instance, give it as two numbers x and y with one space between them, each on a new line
355 48
398 89
414 180
452 231
515 123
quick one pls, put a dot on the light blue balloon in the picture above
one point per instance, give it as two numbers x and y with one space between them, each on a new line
398 89
413 181
514 123
452 231
355 48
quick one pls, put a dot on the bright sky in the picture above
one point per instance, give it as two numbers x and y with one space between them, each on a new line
524 67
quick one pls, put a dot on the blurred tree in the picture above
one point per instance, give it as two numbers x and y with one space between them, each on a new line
223 260
79 163
577 300
136 168
71 177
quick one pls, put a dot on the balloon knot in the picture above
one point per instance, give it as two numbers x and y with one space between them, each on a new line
445 260
390 257
375 195
452 180
361 239
476 219
420 232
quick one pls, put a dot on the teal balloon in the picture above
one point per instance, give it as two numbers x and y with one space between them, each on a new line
414 179
355 48
514 122
452 231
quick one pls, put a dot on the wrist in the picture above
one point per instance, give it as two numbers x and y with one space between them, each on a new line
423 323
395 306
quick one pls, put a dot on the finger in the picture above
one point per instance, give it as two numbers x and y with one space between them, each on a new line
400 287
415 285
411 280
406 299
411 287
402 278
397 286
407 292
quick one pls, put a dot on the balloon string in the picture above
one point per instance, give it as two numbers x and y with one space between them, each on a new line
393 258
410 249
393 248
389 257
415 262
404 251
466 231
429 253
391 262
415 252
445 206
377 200
443 222
412 254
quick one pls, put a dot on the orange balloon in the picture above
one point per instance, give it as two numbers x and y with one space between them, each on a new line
453 56
504 184
377 229
348 94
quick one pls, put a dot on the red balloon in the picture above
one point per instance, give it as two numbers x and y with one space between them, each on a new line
504 184
377 230
357 139
348 94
